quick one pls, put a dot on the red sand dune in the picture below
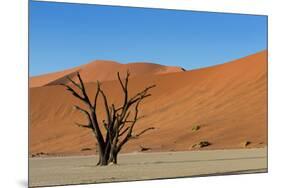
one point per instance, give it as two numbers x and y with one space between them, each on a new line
228 102
103 71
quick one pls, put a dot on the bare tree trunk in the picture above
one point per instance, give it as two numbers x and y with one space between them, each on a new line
103 157
104 161
113 156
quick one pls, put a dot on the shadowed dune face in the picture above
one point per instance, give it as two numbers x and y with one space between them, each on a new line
103 71
228 102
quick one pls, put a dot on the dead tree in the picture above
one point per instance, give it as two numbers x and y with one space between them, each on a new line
119 122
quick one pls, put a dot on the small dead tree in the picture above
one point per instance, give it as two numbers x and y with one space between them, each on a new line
119 122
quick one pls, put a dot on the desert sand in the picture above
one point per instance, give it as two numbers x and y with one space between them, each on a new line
228 102
144 166
102 70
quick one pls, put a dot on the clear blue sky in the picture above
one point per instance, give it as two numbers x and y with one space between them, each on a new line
67 35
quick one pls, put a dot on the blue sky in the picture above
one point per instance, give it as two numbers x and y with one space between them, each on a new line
67 35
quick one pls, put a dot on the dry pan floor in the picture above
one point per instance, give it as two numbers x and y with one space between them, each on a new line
143 166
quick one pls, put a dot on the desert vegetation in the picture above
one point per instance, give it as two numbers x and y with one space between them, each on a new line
119 122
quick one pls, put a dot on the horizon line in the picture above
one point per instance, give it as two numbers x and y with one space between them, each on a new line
137 62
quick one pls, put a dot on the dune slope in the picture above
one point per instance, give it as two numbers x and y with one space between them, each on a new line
228 102
103 71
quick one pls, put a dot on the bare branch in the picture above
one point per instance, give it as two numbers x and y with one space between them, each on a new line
83 125
127 80
88 117
81 82
126 117
74 93
106 106
129 132
96 96
120 81
84 90
81 110
124 131
105 125
143 131
74 83
124 86
132 121
141 95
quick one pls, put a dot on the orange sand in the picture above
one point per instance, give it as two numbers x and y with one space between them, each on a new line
228 102
103 71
